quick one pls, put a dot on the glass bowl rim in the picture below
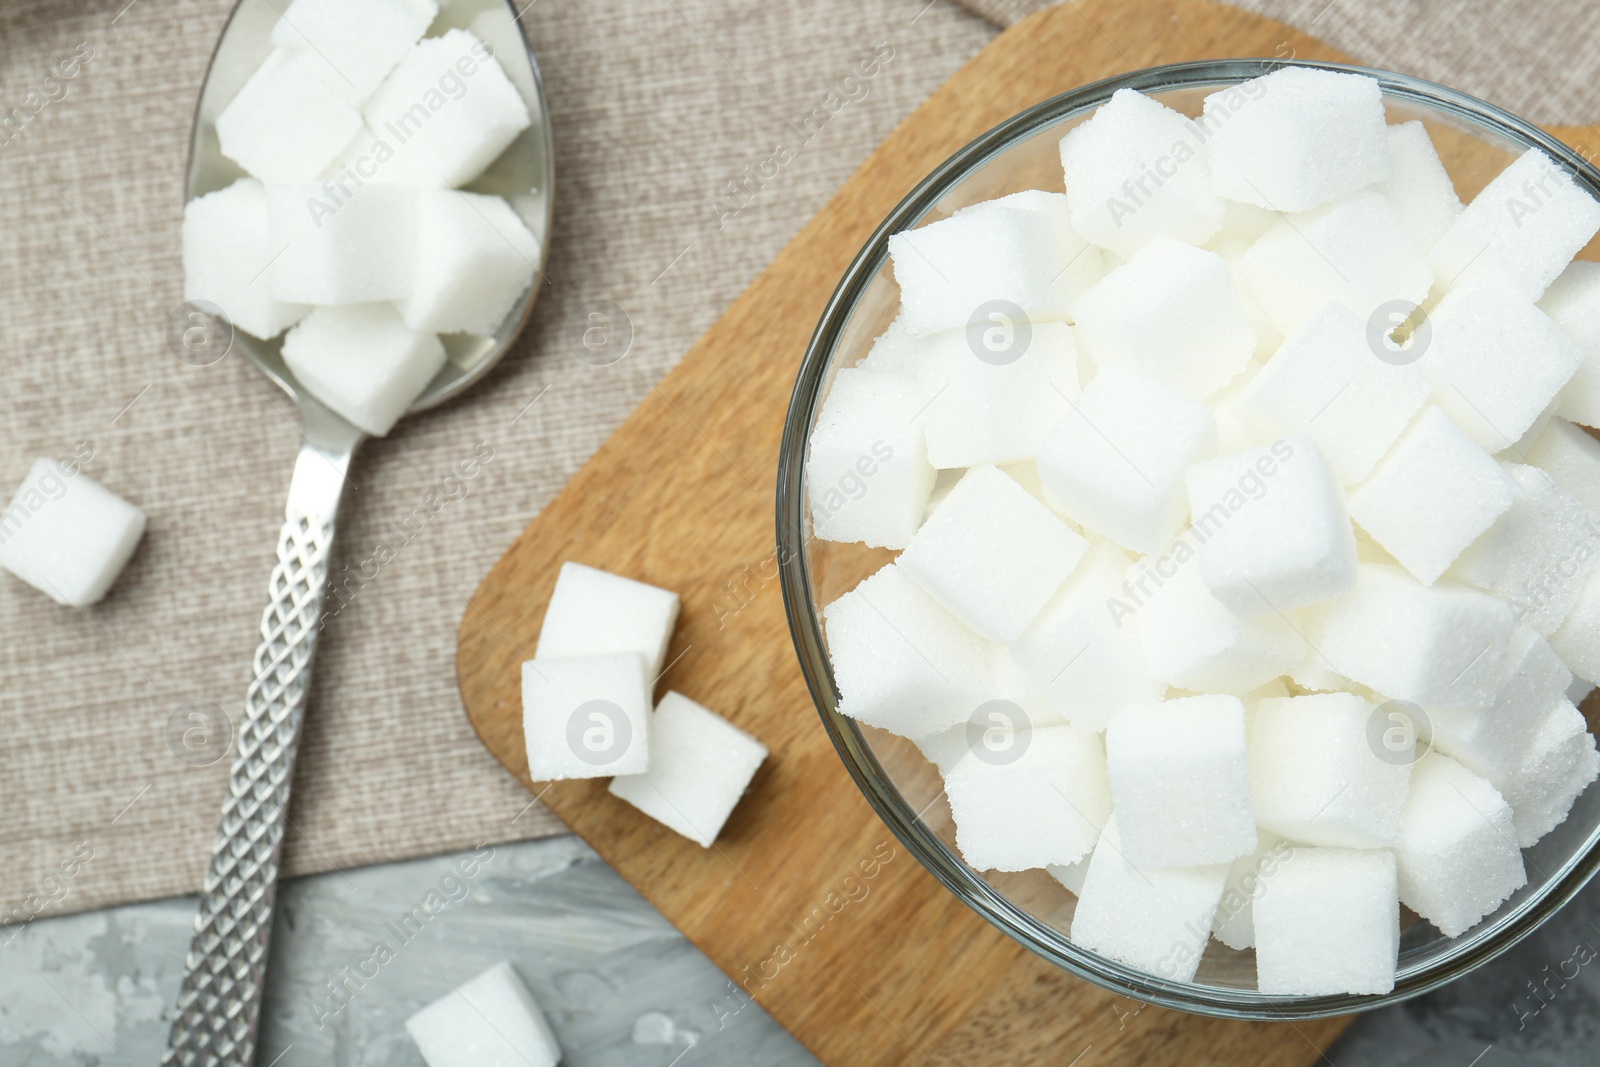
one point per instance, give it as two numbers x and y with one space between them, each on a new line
1467 951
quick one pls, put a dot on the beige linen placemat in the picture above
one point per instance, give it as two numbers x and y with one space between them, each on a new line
658 105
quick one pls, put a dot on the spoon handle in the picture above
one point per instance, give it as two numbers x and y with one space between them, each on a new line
219 1003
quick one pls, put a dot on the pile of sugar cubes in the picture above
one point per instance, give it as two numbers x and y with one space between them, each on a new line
586 707
1247 527
67 535
350 228
487 1021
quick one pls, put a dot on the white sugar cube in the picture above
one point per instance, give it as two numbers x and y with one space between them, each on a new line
1577 639
868 472
474 260
991 395
1248 877
900 660
946 748
1328 923
988 258
1296 138
1579 691
895 351
1152 918
1272 527
1418 186
1434 494
1527 223
1572 459
341 251
1171 313
1325 382
1314 675
447 110
1042 800
1458 849
488 1021
1537 554
1495 741
992 554
1085 664
1115 462
1070 875
1137 169
1354 253
595 613
363 362
700 765
1573 301
1316 777
67 535
1084 265
1192 641
1241 225
1180 781
227 246
1493 398
284 125
586 716
1560 764
1443 644
352 44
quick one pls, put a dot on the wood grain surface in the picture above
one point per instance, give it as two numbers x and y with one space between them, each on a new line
807 902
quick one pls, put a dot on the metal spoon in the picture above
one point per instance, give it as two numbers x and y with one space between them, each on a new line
215 1023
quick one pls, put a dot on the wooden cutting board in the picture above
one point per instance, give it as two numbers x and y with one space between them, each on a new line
807 900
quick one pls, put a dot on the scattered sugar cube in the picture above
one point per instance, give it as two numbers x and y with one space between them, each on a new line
447 109
700 765
363 362
1458 849
1248 878
1418 186
1573 301
586 716
1296 138
1572 459
1443 644
992 554
1137 169
474 260
902 662
1493 398
1537 554
595 613
1180 781
1084 265
992 395
1170 312
227 246
284 125
351 45
1085 664
1044 805
1354 252
1324 382
489 1021
1155 919
1527 223
1315 777
1328 922
1495 741
67 535
1272 527
1577 639
868 470
1433 495
341 251
1115 462
1560 764
985 258
1192 641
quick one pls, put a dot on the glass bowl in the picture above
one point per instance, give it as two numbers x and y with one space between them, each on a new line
1476 140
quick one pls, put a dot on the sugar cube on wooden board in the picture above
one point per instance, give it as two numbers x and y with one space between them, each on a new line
490 1020
596 613
363 362
700 765
586 716
67 535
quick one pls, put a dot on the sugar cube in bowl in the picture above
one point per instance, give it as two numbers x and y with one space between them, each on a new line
1354 690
